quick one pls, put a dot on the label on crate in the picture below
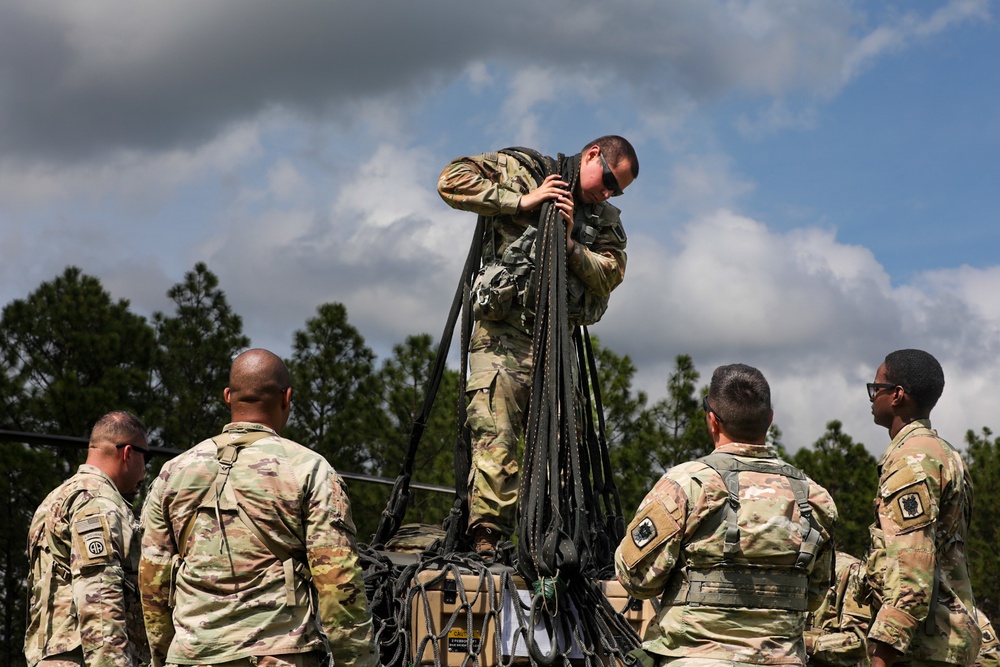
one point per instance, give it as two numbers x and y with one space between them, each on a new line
458 641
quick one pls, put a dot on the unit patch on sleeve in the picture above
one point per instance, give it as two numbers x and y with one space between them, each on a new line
93 540
910 507
653 526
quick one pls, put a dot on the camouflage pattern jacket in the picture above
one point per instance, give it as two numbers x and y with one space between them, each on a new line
835 632
918 554
213 593
989 652
83 555
680 527
492 184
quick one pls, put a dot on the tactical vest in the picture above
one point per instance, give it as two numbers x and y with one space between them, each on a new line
732 584
298 592
504 288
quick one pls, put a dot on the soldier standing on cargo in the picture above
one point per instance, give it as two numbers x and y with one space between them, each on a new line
508 188
83 556
248 551
737 544
916 566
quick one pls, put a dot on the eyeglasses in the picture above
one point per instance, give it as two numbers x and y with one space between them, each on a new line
610 181
144 452
708 408
876 387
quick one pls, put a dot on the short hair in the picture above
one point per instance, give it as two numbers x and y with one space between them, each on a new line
741 399
258 376
614 148
118 426
918 373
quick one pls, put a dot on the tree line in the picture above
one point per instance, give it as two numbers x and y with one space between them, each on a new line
70 352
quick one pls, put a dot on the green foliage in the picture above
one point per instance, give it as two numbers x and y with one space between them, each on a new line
194 350
983 457
404 380
336 406
845 469
645 442
26 477
75 355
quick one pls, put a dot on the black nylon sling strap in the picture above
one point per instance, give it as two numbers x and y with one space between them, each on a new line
552 521
392 515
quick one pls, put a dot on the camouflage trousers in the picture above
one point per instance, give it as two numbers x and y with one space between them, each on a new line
497 392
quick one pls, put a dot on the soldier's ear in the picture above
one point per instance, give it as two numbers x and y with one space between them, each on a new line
227 396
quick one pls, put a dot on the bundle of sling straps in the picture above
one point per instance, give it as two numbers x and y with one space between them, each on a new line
570 517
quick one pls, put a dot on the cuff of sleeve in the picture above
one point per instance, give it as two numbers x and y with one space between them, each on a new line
508 201
893 627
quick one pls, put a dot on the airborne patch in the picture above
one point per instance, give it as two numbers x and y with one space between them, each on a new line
653 526
92 539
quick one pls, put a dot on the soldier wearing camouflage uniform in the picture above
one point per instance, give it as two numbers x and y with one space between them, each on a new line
248 551
916 569
835 632
737 544
989 652
508 188
83 556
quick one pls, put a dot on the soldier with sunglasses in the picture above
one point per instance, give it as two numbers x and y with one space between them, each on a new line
83 554
916 569
507 188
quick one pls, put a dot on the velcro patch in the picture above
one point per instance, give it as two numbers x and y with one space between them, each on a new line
93 540
648 530
910 507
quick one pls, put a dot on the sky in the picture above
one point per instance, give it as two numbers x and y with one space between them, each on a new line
816 182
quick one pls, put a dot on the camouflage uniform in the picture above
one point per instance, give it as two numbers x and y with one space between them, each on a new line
835 632
499 382
83 554
679 534
923 509
233 596
989 652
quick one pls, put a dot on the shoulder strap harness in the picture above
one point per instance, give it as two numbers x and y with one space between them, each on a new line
733 585
227 454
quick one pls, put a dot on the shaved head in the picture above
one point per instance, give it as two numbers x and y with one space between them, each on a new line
258 384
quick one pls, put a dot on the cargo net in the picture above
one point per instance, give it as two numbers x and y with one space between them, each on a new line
455 610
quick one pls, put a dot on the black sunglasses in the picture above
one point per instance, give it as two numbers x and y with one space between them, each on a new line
875 387
144 452
610 182
708 408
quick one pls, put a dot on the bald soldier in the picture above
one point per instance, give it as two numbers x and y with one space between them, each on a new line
248 554
83 556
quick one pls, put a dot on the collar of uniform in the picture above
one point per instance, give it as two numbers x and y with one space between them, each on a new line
903 434
94 470
87 469
246 427
744 449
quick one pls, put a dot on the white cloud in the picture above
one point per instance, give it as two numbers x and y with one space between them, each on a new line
815 315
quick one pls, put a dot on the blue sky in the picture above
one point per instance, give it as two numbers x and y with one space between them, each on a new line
816 183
